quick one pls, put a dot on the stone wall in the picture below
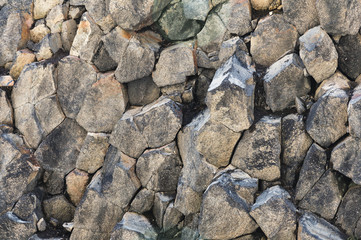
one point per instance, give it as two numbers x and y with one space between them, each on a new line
180 119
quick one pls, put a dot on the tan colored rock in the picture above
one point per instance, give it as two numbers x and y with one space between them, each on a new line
75 12
49 45
42 7
38 33
76 182
55 18
6 81
22 58
6 112
68 33
60 208
261 4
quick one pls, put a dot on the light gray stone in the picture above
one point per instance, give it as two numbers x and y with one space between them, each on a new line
337 80
318 54
102 59
353 113
196 9
48 46
68 33
97 9
55 18
116 42
43 7
6 111
171 217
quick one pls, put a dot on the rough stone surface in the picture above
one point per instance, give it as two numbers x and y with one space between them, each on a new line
159 169
22 58
284 81
339 17
349 48
171 218
102 59
318 54
312 170
168 73
60 208
261 4
345 158
92 153
28 206
12 227
97 9
161 202
48 46
301 13
326 121
43 7
116 43
39 32
6 111
337 80
133 226
68 32
143 201
272 39
76 182
295 144
324 197
142 91
275 214
224 200
258 152
312 227
353 112
103 105
75 78
230 96
56 17
196 9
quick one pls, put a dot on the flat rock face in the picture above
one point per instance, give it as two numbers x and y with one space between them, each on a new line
339 17
312 227
272 39
301 13
133 226
318 54
324 197
134 15
12 227
327 129
345 158
286 73
196 9
76 182
224 200
275 214
6 111
337 80
168 73
230 96
353 112
98 11
258 151
143 201
348 48
75 78
312 169
142 91
43 7
160 168
348 214
103 105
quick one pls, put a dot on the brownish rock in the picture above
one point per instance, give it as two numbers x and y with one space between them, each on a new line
76 182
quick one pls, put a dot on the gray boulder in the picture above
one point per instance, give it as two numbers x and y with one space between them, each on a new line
349 48
339 17
225 210
311 227
353 113
131 15
318 54
272 39
161 202
115 43
230 96
97 9
196 9
258 152
102 59
168 73
68 32
6 111
142 91
327 129
337 80
75 78
275 214
286 73
143 201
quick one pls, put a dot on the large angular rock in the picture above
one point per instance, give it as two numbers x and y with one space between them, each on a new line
345 158
76 183
60 208
143 201
90 220
43 7
22 58
116 43
92 153
349 48
311 227
324 197
97 9
132 15
339 17
286 73
119 182
349 212
75 78
60 149
337 80
39 32
275 214
225 209
295 144
103 105
137 61
142 91
258 152
6 111
312 170
68 32
29 206
139 129
87 39
168 73
318 54
196 9
230 96
272 39
353 113
301 13
12 227
175 25
236 16
159 169
215 141
326 129
102 59
133 226
161 202
48 46
55 18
